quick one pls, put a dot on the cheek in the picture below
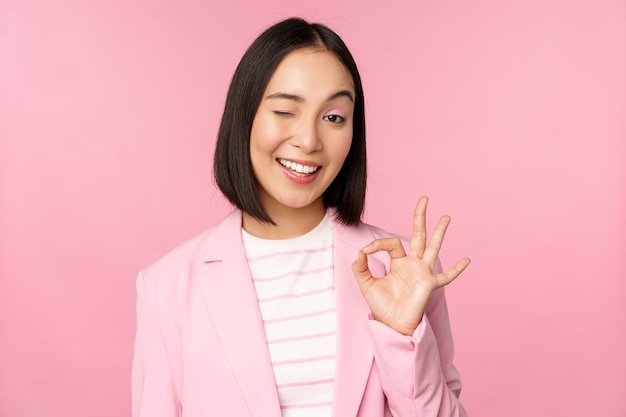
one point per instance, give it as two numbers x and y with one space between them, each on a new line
264 136
341 145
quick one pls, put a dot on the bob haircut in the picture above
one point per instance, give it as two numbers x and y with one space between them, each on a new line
232 166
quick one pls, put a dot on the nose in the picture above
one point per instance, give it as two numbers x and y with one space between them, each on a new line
307 138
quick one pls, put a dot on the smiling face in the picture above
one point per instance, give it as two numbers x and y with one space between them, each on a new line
301 133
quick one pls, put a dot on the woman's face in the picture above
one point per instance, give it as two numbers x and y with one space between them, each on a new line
302 130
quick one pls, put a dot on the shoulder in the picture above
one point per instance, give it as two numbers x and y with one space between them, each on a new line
190 255
363 233
379 233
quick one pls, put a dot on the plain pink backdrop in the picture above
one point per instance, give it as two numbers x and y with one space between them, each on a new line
510 115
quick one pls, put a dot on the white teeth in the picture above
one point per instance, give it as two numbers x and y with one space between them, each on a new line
299 168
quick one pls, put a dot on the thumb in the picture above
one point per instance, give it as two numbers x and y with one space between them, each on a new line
361 270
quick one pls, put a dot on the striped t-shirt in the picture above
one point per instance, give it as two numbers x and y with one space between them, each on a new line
295 288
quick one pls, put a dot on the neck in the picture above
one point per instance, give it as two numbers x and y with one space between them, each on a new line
290 222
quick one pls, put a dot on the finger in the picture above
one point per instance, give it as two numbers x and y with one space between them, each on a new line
361 270
418 239
392 245
450 275
436 240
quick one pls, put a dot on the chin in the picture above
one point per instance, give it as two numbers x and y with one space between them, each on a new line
297 205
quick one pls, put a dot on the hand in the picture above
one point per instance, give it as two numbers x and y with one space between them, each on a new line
399 298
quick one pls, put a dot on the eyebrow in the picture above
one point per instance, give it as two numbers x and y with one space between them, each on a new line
299 99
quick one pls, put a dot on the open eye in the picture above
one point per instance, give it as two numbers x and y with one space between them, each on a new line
334 118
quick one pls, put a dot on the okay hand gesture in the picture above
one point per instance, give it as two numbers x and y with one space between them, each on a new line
399 298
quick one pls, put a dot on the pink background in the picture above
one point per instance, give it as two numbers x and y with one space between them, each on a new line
510 115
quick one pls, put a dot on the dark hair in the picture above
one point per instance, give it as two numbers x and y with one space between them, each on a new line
232 165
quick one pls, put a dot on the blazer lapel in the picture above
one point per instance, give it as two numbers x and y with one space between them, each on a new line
231 301
354 345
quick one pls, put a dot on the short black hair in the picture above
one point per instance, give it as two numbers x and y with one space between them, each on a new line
232 166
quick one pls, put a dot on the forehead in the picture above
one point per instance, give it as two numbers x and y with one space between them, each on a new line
312 71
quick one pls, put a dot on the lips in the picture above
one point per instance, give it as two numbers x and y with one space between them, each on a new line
298 169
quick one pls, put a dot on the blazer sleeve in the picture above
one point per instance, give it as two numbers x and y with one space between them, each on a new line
416 372
153 388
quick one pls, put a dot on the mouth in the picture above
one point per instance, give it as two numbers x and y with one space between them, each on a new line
298 169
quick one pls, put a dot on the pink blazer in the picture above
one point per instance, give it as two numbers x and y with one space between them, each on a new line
200 348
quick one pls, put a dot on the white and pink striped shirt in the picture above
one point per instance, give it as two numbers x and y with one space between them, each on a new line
295 288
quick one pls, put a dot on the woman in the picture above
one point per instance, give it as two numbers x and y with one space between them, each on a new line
291 305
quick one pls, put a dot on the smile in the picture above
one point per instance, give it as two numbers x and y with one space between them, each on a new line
298 169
